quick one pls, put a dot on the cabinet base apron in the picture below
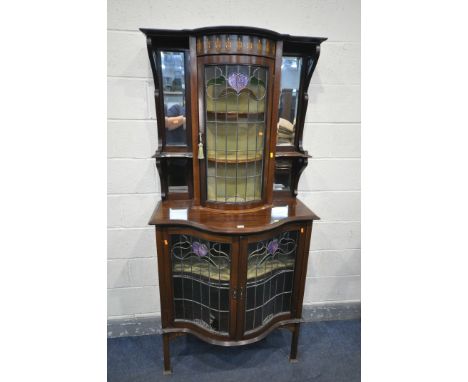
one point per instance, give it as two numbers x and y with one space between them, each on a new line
170 333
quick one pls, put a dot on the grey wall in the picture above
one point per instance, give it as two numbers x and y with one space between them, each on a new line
330 185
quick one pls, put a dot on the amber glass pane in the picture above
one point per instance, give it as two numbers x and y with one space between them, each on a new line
290 81
270 275
235 101
173 78
201 271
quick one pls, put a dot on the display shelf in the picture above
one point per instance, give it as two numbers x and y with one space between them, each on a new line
291 154
202 272
233 158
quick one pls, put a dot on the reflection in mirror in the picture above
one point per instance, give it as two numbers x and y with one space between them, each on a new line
290 80
173 78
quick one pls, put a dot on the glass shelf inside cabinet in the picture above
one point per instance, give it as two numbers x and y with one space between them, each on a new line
235 112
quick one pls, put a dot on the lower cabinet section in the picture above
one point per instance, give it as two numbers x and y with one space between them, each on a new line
232 287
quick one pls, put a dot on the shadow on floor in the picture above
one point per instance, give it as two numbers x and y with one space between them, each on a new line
328 351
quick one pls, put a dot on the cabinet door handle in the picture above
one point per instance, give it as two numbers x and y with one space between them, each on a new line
238 294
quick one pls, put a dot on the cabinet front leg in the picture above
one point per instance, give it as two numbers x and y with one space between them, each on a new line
294 341
167 355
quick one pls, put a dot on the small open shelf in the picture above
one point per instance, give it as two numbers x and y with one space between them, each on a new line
291 154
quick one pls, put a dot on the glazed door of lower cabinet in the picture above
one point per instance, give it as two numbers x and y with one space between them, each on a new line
269 278
203 276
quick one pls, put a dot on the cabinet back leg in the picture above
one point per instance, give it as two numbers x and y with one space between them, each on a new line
167 354
294 341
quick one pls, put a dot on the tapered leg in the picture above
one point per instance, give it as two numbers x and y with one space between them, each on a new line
294 341
167 355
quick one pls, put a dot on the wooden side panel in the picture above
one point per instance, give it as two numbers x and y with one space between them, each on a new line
274 120
302 267
194 118
242 278
164 272
234 297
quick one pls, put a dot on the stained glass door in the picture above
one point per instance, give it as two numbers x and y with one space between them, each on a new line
202 269
270 269
235 125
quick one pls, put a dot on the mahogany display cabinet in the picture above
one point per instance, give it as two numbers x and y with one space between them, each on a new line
232 238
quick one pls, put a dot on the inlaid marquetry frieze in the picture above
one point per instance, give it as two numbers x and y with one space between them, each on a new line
235 44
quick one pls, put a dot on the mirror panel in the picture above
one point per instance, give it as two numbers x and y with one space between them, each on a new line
173 84
291 68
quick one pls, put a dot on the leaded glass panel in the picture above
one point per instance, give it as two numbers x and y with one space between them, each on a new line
201 271
270 275
235 115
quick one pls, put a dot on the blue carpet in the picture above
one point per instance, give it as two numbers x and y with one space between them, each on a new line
328 352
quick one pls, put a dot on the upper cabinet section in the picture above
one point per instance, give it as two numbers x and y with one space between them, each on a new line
230 107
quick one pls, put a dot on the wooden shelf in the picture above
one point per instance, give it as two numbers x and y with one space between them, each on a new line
213 220
232 159
173 92
211 124
173 154
291 154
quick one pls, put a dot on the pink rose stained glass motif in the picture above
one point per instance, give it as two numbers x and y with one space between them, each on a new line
238 81
199 249
272 247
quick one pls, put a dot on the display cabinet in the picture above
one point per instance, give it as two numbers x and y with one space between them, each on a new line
232 238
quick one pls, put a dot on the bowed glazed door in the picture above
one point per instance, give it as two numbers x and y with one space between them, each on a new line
235 94
270 279
203 281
